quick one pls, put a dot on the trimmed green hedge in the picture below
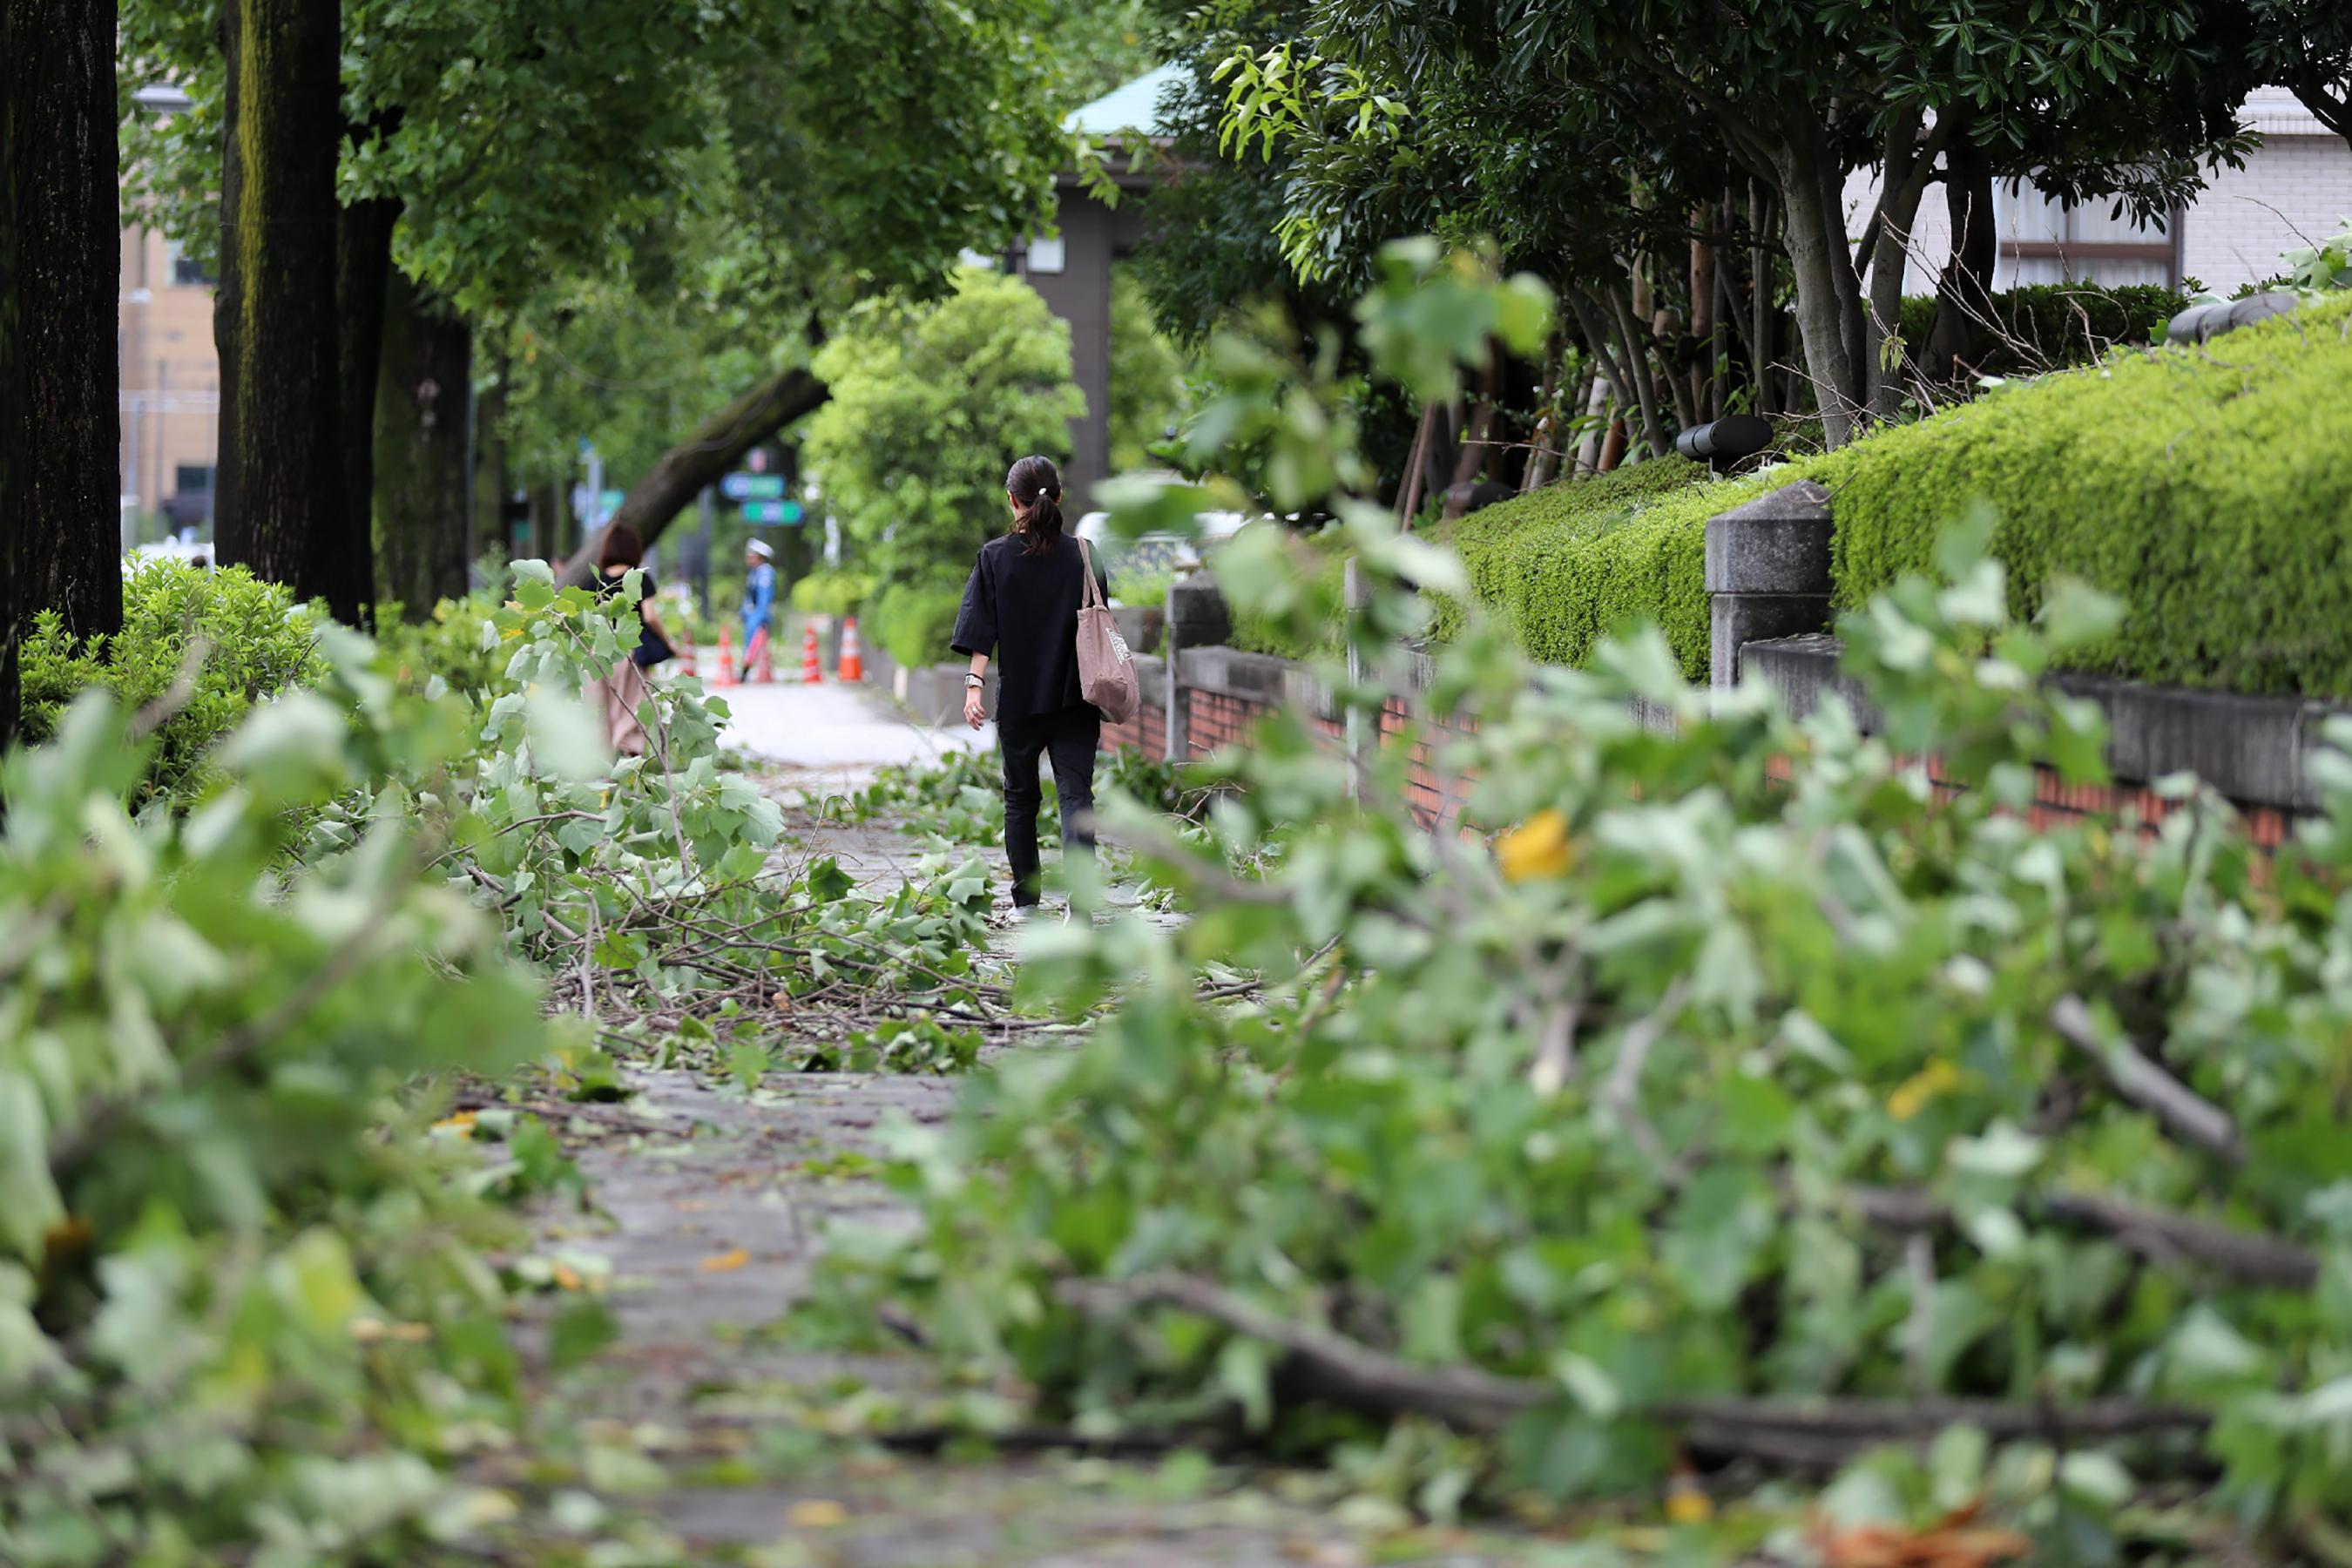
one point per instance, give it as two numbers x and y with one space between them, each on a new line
1566 566
2065 323
2210 488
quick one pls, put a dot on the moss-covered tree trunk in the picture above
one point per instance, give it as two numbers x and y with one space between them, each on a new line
280 503
12 357
61 494
420 450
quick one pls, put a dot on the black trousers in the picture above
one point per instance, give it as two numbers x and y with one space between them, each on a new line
1069 739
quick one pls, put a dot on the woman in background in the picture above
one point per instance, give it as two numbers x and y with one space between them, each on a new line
624 691
1021 607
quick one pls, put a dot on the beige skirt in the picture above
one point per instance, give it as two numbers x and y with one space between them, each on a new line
622 693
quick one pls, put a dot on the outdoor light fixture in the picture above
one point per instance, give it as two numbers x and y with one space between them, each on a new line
1722 444
2200 323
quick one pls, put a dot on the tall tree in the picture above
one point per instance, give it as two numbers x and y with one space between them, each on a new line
420 449
60 248
2305 46
279 503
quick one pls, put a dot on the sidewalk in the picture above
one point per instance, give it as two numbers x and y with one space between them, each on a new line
838 734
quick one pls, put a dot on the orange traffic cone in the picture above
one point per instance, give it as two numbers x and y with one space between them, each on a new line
755 658
853 664
725 674
685 652
811 671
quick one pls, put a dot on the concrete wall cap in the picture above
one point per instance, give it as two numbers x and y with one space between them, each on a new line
1805 499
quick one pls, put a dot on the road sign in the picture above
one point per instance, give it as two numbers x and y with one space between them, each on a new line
752 487
784 511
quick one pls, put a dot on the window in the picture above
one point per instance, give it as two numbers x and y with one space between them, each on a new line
2046 240
186 272
192 478
1047 254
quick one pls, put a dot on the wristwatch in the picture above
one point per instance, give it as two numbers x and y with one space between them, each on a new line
973 682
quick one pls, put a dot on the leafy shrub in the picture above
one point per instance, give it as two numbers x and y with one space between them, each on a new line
448 643
833 593
912 623
2051 325
1565 566
1306 633
2210 488
256 643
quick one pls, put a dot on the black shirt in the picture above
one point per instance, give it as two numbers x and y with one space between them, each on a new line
1023 610
651 649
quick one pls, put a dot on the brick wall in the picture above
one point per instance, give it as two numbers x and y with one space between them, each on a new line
1219 717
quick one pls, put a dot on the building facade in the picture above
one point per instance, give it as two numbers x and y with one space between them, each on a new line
169 434
2295 188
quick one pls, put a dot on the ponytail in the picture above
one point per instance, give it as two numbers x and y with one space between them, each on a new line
1037 491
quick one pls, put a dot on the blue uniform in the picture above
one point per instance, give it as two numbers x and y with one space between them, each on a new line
759 600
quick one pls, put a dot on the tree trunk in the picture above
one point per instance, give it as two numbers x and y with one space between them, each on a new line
362 273
62 492
1761 315
491 536
1964 288
1703 324
280 504
708 454
1825 300
544 523
420 445
1909 166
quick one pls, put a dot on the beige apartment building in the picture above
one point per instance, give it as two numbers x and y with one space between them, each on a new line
170 389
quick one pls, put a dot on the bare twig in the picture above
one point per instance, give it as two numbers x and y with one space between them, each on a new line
2141 1081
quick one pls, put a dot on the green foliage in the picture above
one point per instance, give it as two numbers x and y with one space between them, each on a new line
959 796
1147 376
912 624
1738 1071
1314 629
2047 326
1567 566
825 593
447 644
254 643
930 406
238 1298
2209 488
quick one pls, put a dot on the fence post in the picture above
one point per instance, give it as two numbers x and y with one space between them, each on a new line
1197 617
1767 574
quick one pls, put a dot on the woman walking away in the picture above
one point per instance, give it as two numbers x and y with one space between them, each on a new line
625 689
1021 607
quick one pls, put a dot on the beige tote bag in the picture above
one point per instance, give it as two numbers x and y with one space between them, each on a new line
1106 670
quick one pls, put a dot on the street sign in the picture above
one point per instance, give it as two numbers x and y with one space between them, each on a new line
784 511
752 487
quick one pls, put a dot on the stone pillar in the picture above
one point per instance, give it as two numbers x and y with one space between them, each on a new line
1767 574
1197 617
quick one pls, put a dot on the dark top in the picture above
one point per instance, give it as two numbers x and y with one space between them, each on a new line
651 648
1024 611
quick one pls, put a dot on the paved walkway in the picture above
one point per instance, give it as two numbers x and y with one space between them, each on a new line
835 734
710 1209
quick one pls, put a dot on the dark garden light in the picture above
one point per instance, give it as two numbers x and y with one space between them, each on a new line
1722 444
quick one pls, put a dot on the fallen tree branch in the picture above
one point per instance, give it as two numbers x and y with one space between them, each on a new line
2138 1078
1350 1373
2250 1258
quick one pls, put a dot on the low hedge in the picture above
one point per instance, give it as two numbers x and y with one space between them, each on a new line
2210 488
2058 325
1566 566
257 643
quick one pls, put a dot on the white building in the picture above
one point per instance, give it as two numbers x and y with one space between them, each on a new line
2296 188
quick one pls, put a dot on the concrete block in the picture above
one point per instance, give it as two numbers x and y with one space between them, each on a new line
1196 614
1739 619
1777 543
